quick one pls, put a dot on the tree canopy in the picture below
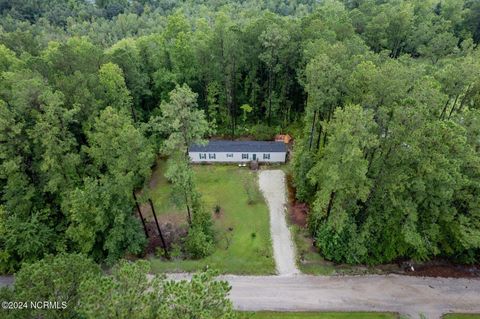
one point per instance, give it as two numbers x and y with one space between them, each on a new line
382 98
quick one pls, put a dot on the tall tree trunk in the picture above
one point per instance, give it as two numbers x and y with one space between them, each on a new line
330 203
189 215
319 135
444 108
134 114
453 107
140 213
370 160
462 103
159 230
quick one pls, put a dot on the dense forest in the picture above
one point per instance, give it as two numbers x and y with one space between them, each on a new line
382 97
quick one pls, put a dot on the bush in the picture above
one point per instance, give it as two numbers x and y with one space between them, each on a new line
197 243
203 219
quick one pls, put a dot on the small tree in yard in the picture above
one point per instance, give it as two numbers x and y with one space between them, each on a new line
200 240
197 244
185 125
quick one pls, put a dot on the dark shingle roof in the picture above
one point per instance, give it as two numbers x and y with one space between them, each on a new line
240 146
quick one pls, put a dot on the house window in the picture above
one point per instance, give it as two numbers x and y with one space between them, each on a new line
230 155
245 156
266 156
211 155
203 156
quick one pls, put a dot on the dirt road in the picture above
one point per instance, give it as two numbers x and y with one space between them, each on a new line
272 185
407 295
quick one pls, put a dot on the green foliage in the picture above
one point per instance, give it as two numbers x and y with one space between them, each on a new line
181 121
114 87
197 244
185 126
55 279
129 291
262 132
80 82
378 187
201 297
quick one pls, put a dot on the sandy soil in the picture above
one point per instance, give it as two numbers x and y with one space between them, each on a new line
272 185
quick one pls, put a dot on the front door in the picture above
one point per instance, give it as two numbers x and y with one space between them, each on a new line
254 157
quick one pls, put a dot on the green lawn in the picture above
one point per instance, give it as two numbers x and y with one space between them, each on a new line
461 316
321 315
246 248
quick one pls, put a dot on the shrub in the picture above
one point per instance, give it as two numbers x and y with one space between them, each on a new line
197 243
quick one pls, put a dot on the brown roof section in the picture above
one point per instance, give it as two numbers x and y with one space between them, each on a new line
285 138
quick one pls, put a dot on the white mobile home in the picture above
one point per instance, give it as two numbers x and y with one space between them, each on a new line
238 152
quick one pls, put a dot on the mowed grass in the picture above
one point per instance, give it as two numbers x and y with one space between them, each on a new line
461 316
320 315
243 233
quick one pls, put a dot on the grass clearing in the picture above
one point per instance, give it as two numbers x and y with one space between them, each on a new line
243 231
309 260
320 315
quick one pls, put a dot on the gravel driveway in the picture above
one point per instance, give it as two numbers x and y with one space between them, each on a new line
272 185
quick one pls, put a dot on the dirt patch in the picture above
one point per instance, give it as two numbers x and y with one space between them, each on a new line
172 233
297 211
218 215
298 214
445 271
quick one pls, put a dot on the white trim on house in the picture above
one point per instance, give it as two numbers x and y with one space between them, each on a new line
237 157
238 152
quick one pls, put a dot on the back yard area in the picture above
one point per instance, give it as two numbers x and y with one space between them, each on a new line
242 229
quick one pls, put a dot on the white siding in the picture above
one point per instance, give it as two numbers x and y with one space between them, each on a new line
221 157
